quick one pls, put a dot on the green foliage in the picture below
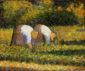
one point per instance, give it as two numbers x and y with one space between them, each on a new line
25 12
58 18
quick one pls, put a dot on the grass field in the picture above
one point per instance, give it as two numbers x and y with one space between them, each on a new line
23 66
67 54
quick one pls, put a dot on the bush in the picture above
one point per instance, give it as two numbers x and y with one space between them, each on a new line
57 18
22 11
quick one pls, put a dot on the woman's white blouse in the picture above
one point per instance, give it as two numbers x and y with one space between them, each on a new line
26 32
46 32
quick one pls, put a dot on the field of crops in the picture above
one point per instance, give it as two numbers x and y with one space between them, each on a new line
68 51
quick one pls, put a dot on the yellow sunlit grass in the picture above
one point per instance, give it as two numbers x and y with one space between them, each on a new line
6 34
40 67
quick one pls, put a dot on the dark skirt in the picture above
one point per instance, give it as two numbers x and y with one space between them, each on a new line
40 37
17 37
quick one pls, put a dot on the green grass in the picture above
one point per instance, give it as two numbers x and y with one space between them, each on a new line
62 54
49 55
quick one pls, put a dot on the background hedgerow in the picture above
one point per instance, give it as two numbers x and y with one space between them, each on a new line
57 18
27 12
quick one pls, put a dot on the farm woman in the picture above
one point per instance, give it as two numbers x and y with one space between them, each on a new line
23 34
44 33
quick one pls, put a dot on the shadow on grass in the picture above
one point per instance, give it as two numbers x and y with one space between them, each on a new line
17 69
75 42
66 52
